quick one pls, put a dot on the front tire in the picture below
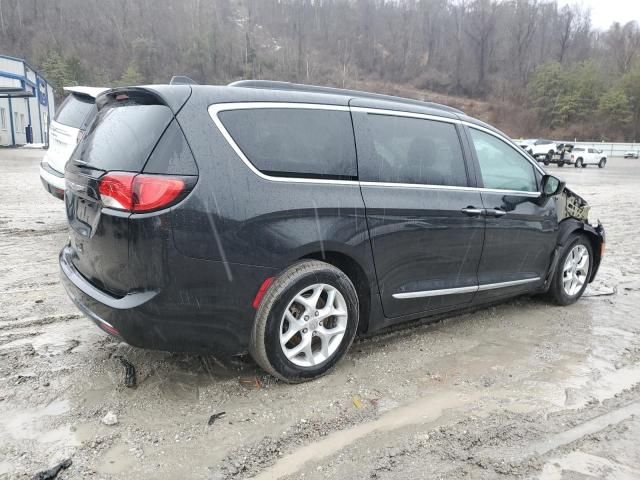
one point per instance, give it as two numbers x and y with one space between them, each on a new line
602 163
572 272
306 322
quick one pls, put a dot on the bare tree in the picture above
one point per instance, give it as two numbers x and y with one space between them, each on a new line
624 44
480 28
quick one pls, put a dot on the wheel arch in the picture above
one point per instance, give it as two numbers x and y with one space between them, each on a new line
595 235
356 273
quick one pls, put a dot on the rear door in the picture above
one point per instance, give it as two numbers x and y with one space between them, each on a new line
424 218
520 230
121 139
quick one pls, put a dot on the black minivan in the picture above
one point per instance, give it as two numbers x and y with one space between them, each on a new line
283 219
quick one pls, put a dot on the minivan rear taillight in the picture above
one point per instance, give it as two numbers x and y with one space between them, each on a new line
138 193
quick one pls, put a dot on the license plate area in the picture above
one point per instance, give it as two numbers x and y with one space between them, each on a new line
83 208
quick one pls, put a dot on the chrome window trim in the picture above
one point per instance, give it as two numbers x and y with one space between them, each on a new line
400 113
216 108
379 111
461 290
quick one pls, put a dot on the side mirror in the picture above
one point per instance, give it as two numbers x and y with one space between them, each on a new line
551 186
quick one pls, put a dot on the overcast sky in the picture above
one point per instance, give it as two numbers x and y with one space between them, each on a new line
605 12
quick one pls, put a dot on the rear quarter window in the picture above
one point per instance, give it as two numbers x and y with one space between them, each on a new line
291 142
76 111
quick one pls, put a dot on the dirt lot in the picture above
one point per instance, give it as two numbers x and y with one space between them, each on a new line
521 390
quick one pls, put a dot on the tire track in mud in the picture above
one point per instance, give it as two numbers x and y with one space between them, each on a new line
489 437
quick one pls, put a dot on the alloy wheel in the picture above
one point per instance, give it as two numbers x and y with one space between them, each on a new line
575 270
313 325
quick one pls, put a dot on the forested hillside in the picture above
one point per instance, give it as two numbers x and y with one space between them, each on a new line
532 67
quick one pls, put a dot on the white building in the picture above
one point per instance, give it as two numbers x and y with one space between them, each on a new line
26 100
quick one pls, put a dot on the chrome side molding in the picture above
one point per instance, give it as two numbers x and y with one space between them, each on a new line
460 290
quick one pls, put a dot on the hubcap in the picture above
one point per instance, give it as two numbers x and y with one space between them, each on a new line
313 325
576 268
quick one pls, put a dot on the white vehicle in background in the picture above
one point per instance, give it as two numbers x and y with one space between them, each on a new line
582 156
66 130
541 149
631 154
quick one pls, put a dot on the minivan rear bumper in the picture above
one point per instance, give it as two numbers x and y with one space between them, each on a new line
158 320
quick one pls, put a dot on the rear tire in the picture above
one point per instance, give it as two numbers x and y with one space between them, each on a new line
572 272
602 163
579 163
297 335
561 163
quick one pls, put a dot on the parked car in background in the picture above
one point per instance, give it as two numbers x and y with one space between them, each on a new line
282 219
65 132
540 148
631 154
525 144
582 156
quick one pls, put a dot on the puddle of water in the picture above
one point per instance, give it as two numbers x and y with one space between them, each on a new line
424 410
26 424
57 338
116 460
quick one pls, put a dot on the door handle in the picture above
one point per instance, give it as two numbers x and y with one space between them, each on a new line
495 212
472 211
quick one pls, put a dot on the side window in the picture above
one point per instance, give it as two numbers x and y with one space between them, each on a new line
501 166
295 142
410 150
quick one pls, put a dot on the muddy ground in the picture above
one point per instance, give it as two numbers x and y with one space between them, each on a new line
520 390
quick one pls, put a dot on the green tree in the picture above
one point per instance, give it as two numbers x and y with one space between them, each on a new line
587 85
547 92
560 94
614 109
631 88
58 72
131 76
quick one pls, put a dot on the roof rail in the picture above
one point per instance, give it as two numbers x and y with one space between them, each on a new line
276 85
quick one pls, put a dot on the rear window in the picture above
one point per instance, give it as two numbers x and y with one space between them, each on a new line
578 149
410 150
75 111
295 142
123 136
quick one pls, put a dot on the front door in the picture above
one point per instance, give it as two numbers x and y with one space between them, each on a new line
520 229
425 222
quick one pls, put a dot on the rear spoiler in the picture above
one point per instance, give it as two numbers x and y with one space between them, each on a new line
173 96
